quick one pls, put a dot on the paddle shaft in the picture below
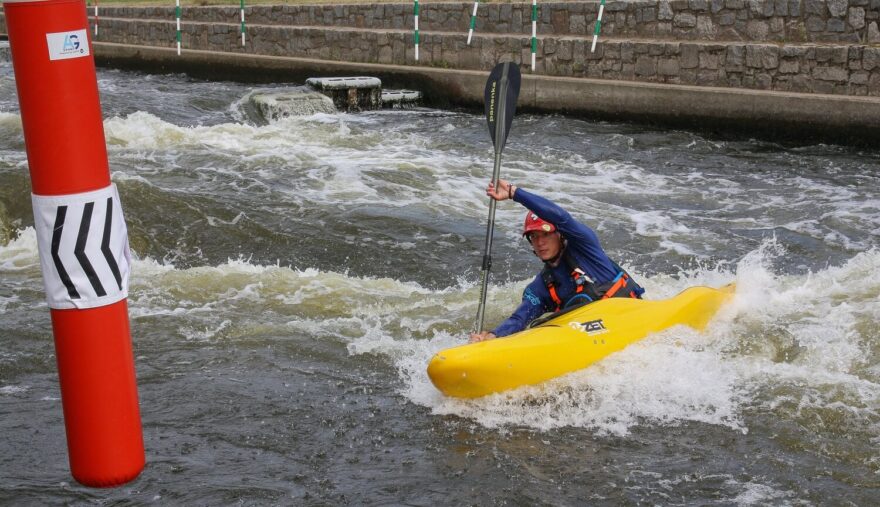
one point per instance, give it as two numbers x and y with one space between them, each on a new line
490 226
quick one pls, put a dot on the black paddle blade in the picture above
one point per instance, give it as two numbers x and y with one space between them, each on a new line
502 90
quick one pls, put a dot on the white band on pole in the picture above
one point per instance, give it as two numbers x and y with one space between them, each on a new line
83 245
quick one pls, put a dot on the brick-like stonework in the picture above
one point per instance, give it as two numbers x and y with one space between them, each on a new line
755 44
717 20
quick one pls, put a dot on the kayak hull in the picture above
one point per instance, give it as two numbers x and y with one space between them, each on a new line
570 342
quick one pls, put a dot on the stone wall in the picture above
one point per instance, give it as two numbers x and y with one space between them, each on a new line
853 21
744 53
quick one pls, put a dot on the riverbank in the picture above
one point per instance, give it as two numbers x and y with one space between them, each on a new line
796 70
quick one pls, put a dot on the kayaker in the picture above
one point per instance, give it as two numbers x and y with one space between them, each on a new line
576 269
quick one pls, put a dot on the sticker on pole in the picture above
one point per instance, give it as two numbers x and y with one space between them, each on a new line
64 45
83 245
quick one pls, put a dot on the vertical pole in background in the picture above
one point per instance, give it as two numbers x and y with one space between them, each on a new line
81 237
242 23
416 34
473 22
177 15
96 19
598 26
535 31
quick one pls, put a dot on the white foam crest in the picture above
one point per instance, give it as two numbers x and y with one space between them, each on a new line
11 121
21 253
681 375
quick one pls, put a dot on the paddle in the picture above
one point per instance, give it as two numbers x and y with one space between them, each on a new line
502 90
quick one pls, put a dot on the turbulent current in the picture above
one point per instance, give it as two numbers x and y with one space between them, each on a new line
291 279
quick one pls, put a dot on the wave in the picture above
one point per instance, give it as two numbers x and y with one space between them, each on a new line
808 340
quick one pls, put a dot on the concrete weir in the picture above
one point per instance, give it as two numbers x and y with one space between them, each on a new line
798 70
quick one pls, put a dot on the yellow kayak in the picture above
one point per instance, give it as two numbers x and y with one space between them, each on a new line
567 342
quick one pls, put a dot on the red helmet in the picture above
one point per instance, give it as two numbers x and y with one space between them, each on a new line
535 223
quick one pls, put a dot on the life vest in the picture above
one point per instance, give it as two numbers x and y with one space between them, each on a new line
587 290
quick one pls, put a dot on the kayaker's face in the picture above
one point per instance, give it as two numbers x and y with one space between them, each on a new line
546 245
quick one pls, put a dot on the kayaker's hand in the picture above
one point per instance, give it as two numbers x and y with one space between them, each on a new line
504 190
480 337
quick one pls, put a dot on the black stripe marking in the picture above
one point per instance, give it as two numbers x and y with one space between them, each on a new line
105 244
60 214
80 253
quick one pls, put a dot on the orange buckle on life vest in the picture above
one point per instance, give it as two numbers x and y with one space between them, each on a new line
619 284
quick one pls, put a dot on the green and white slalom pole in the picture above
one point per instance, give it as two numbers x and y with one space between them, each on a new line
473 22
96 19
242 23
535 31
177 15
598 26
416 32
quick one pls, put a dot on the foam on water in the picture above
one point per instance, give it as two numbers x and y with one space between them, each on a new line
797 331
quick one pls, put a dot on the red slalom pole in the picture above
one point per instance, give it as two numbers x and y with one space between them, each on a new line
81 235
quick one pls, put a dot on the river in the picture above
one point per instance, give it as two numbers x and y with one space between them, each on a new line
292 279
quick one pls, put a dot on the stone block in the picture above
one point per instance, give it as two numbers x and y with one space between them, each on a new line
856 18
794 8
646 66
709 61
777 25
565 51
789 66
668 67
734 57
837 8
734 4
664 28
761 8
727 18
817 7
815 24
835 74
646 15
753 57
757 30
871 59
698 5
780 7
577 24
685 20
792 51
656 49
664 12
705 28
836 25
763 81
716 6
859 78
689 56
873 33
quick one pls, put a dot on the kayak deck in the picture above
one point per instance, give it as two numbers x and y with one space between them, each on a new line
568 342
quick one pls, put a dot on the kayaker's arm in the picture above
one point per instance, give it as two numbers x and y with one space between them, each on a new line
580 237
556 215
530 309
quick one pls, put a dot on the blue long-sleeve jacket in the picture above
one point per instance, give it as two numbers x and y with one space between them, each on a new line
582 245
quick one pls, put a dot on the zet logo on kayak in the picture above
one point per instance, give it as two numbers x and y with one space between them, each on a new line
590 327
